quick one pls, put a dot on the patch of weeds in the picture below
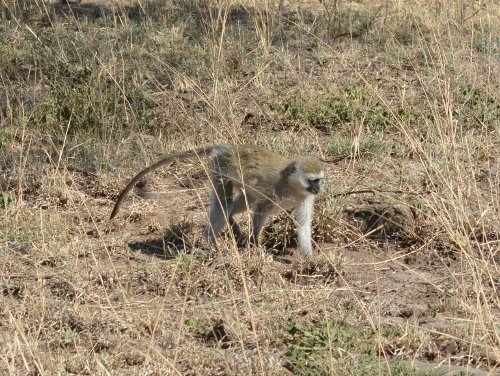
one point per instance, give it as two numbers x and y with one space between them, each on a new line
279 236
75 105
337 107
382 220
369 144
325 223
345 19
433 310
5 140
378 117
179 235
79 365
315 269
199 328
15 289
140 266
215 332
475 108
486 38
322 113
60 326
323 347
185 263
340 145
419 120
409 28
5 200
177 240
29 231
63 289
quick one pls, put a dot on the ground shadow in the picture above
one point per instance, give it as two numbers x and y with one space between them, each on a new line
157 247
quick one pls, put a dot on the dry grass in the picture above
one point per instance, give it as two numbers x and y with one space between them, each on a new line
403 95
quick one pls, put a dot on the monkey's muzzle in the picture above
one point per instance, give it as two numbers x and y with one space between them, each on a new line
314 187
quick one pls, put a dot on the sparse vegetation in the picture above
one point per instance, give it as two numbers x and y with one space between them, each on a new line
404 98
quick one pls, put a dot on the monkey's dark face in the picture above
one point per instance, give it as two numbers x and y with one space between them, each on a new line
314 186
311 183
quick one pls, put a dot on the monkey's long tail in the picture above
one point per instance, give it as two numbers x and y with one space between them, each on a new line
201 152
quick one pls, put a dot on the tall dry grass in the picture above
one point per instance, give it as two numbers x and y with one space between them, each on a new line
406 93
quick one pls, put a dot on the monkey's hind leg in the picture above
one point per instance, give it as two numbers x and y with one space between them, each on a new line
235 228
260 216
221 205
241 203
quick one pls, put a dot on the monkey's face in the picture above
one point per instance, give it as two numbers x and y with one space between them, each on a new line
307 180
306 176
313 185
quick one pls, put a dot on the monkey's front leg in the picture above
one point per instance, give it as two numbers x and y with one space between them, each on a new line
304 217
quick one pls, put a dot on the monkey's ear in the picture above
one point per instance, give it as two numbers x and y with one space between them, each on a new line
293 168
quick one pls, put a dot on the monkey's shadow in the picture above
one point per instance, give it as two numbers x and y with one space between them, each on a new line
177 239
159 247
180 238
165 249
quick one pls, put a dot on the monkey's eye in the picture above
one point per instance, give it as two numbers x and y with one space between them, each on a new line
315 181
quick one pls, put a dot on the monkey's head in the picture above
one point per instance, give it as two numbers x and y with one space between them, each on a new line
306 175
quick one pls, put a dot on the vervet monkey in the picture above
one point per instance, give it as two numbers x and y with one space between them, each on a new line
246 177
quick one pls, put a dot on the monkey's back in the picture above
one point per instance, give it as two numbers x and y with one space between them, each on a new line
252 166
